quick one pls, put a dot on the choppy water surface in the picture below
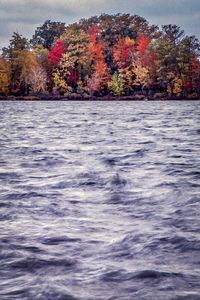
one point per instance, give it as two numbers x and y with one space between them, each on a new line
100 200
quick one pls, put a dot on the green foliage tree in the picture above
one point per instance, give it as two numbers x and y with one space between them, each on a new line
116 85
17 43
47 33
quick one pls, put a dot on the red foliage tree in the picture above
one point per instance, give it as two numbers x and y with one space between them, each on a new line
56 52
96 46
142 44
73 75
123 52
97 54
145 54
93 31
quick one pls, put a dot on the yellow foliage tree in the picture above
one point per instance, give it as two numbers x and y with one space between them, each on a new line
178 86
62 72
28 62
75 62
4 76
142 76
175 84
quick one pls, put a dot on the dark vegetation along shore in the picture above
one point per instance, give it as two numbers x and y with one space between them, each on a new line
102 58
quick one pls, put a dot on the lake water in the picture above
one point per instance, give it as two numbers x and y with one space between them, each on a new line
100 200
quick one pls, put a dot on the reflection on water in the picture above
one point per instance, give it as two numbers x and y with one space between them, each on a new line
99 200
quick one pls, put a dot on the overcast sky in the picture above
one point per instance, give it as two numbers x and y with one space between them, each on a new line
24 16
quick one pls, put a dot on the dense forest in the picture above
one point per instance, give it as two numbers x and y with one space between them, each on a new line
107 56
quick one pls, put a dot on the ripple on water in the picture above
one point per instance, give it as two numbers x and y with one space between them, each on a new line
99 201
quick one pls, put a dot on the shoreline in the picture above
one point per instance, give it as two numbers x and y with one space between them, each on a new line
91 99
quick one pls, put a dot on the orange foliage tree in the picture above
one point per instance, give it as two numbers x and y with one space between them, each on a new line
100 75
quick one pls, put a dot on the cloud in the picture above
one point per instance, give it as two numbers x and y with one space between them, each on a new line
25 15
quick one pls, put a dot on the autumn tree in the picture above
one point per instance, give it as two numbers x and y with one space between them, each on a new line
145 62
37 79
56 52
142 77
118 26
142 44
188 62
42 55
192 82
98 65
4 76
71 73
115 54
124 52
25 66
123 57
174 52
14 55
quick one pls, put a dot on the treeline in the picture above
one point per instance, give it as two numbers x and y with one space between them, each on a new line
109 55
